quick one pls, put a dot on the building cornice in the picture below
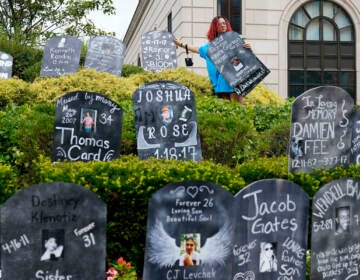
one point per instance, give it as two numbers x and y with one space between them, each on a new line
139 12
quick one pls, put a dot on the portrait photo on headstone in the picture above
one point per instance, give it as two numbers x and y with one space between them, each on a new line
53 244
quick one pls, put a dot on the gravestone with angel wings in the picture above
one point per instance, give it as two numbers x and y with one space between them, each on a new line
271 221
189 232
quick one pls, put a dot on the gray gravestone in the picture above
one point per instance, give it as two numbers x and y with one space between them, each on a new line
189 232
166 122
335 235
355 141
271 225
53 231
105 54
87 128
6 64
61 56
239 66
320 129
158 51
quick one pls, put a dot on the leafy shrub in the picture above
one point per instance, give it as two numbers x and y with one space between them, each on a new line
24 58
129 69
14 90
126 186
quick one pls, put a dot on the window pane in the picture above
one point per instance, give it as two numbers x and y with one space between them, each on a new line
329 9
342 20
313 9
236 3
300 18
296 33
329 31
347 63
346 34
331 78
236 22
313 32
296 77
347 78
295 91
313 77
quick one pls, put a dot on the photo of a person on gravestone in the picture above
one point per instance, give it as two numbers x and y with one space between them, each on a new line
190 256
167 114
88 122
222 89
268 261
342 220
52 247
235 61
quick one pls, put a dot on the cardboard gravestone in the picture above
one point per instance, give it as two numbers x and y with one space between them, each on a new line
105 54
355 141
271 225
61 56
87 127
335 234
189 232
53 231
6 64
158 51
239 66
166 122
320 129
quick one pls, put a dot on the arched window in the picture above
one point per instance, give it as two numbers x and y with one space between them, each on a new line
321 48
231 9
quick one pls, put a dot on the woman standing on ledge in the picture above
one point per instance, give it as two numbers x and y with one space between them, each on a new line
221 87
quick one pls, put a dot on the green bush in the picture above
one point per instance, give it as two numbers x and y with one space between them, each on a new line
129 69
24 58
126 186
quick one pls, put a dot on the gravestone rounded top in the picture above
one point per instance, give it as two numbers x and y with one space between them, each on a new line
61 56
105 54
189 231
158 51
166 122
320 129
336 230
270 230
53 230
87 127
6 64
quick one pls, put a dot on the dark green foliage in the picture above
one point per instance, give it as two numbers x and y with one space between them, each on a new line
129 69
27 60
126 186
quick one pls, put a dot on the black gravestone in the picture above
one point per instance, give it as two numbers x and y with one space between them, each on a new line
320 129
166 122
189 232
61 56
335 234
53 231
355 141
6 64
158 51
239 66
105 54
271 225
87 127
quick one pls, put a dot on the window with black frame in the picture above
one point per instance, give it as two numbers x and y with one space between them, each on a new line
321 48
231 9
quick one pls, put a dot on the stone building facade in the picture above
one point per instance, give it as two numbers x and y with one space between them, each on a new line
304 43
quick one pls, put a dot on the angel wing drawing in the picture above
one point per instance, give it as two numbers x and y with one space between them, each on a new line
163 251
